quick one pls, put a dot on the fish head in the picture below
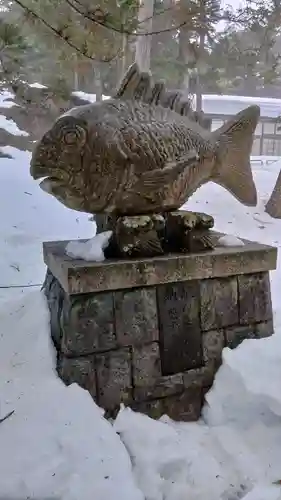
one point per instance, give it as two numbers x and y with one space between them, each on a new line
58 158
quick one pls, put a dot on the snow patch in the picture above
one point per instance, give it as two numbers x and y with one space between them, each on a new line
37 85
91 250
6 99
11 127
56 444
230 241
88 97
31 217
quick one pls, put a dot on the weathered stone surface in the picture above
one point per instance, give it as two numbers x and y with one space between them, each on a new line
254 298
136 316
162 387
55 295
153 409
186 406
80 370
88 324
188 232
146 365
179 327
265 329
137 236
114 378
236 334
219 303
200 377
77 276
213 344
146 346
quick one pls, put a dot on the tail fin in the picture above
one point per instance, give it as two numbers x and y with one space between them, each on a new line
234 144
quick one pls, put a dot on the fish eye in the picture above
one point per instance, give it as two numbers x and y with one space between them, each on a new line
70 138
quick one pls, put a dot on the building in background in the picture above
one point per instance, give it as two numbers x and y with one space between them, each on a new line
219 108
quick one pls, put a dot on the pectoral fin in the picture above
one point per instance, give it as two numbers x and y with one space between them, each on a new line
155 179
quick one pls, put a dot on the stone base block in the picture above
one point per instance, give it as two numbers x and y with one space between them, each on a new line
150 332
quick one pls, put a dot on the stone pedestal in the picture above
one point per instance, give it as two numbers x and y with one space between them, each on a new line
150 332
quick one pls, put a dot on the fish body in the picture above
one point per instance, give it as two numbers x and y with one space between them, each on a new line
142 152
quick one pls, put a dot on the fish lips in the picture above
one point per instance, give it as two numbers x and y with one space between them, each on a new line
38 171
48 184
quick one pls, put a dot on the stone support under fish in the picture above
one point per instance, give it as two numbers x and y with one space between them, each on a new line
157 234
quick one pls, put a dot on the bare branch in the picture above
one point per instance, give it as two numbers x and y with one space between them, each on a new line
7 416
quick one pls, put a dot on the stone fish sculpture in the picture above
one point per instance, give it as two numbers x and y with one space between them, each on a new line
138 157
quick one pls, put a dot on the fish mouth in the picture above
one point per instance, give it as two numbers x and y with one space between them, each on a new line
48 183
37 174
37 171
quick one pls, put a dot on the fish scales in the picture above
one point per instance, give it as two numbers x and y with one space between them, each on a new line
142 152
150 134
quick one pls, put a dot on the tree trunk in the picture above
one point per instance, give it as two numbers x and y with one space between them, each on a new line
273 206
143 43
185 58
198 79
76 73
98 83
123 61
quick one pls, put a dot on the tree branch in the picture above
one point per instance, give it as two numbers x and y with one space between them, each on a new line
60 34
7 416
122 30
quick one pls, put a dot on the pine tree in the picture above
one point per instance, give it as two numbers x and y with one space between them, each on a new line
14 52
248 41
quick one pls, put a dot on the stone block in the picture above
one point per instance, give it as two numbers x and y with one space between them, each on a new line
254 298
80 370
186 406
219 303
55 295
213 344
77 276
265 329
199 377
88 324
236 334
136 316
150 332
154 409
114 378
161 388
146 365
179 327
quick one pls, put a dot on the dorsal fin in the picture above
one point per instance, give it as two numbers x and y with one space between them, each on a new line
171 99
137 84
157 92
185 108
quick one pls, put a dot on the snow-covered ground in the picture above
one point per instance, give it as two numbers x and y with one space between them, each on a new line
57 445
